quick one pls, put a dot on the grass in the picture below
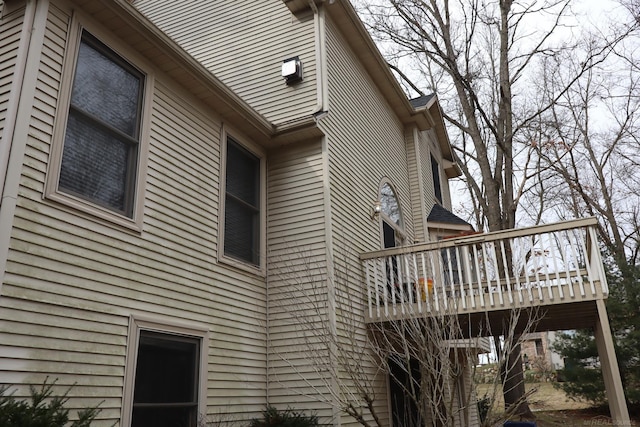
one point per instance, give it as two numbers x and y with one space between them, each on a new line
554 409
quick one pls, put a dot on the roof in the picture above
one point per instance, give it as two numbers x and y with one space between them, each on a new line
443 215
422 101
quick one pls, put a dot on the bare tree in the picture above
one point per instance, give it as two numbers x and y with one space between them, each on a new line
427 360
483 58
591 149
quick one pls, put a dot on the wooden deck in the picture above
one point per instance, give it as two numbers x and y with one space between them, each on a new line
554 269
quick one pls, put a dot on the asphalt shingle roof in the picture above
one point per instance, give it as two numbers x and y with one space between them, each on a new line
443 215
421 101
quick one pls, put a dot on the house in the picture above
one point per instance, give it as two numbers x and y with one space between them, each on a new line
243 156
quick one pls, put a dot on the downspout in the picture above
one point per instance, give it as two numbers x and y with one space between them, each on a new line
14 95
16 130
322 94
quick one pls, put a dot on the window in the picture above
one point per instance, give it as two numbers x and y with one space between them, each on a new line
435 172
166 380
99 160
404 390
242 217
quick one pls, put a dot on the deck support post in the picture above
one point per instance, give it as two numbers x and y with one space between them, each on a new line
610 369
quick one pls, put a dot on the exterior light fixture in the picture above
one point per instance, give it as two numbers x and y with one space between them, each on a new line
292 70
376 209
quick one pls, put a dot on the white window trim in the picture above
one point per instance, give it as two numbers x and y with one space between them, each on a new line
77 204
254 149
139 323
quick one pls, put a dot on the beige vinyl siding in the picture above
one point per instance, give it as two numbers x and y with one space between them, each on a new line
297 276
429 197
10 26
72 282
243 42
415 161
366 144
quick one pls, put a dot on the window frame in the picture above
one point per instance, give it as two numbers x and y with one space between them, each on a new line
137 324
76 203
437 179
255 150
400 234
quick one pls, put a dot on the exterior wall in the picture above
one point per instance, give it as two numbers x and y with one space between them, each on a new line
10 26
243 42
366 143
73 282
297 279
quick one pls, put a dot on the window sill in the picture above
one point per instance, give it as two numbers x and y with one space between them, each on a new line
256 270
79 207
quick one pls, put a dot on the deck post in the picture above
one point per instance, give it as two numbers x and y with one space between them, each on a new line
610 369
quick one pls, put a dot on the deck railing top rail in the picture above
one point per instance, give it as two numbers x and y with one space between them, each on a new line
481 237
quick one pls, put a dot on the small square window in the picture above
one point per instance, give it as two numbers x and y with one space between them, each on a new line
242 204
101 151
166 381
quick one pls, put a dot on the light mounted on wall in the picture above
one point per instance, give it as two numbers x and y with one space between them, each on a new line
376 209
292 70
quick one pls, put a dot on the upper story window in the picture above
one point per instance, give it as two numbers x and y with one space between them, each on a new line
435 172
392 232
100 154
243 204
96 164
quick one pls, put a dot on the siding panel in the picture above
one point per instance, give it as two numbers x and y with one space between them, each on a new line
243 42
73 281
297 269
10 26
366 144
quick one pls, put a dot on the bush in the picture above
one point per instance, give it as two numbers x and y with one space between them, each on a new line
271 417
44 410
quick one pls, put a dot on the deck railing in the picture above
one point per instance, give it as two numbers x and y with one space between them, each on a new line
545 264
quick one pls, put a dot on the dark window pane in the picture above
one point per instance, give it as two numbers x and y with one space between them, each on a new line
435 172
166 370
243 170
100 154
241 231
164 417
242 210
95 163
107 90
166 383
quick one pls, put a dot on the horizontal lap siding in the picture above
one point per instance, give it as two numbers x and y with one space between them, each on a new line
72 283
366 143
243 42
415 159
10 31
297 278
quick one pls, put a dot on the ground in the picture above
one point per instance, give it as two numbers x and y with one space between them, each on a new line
554 409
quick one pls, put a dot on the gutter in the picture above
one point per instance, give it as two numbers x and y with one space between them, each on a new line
319 22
